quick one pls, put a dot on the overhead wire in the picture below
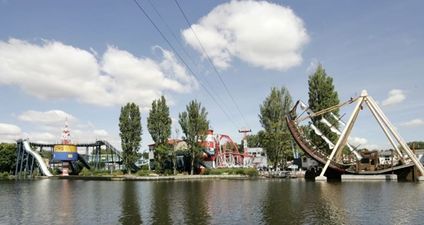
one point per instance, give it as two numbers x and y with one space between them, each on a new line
171 31
211 62
181 47
140 7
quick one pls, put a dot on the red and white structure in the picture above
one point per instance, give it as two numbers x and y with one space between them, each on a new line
219 150
66 134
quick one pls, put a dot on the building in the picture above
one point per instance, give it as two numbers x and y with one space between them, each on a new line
260 159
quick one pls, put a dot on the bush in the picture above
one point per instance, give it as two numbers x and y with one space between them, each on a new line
7 157
117 173
251 172
55 171
144 167
101 172
168 172
4 175
85 172
143 173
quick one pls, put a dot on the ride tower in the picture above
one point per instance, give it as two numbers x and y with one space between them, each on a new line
66 152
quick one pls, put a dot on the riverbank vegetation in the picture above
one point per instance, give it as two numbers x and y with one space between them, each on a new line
7 158
251 172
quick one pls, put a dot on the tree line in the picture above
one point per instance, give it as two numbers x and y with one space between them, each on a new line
275 137
193 122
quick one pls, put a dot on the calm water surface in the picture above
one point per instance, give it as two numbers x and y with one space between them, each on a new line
210 202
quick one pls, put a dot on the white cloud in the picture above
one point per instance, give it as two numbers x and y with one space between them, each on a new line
6 128
395 96
9 132
413 123
312 67
100 133
263 34
53 70
355 141
49 125
51 117
42 137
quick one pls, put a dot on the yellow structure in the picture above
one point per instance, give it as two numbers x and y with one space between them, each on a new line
65 148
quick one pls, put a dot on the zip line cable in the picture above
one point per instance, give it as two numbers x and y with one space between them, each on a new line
182 48
182 60
210 61
172 33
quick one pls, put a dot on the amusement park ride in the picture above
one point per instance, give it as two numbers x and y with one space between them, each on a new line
219 150
358 163
67 157
66 152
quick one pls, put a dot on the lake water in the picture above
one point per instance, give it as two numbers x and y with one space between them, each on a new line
210 202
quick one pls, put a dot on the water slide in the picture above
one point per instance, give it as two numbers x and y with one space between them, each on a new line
40 161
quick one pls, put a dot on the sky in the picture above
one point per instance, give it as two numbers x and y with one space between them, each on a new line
82 60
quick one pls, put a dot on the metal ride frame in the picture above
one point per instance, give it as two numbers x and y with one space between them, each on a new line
389 130
229 157
26 163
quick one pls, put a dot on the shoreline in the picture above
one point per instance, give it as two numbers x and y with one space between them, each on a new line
143 178
153 178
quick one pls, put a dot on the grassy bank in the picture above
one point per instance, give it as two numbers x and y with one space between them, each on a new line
251 172
5 176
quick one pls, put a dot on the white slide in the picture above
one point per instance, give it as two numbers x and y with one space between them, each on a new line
40 160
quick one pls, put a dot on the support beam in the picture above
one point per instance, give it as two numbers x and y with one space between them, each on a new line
18 156
383 126
22 160
398 138
343 137
32 166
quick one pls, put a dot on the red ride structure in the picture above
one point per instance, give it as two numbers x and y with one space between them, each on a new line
221 151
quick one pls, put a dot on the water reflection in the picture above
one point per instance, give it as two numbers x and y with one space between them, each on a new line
65 210
331 208
210 202
195 208
160 204
130 213
277 206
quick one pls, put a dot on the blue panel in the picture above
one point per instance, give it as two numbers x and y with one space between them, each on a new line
65 156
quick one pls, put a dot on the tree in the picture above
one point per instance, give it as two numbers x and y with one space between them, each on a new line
255 140
416 145
322 95
130 133
159 126
276 138
194 125
7 157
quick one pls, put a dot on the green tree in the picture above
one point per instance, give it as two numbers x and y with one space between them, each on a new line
416 145
130 132
7 157
194 124
159 126
276 138
322 95
255 140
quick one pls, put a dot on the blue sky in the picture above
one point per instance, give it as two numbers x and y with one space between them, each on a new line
84 59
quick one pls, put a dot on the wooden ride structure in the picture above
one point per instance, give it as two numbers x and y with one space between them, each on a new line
358 162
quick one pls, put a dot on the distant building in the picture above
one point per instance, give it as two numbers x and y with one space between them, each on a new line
420 154
308 162
260 158
177 144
